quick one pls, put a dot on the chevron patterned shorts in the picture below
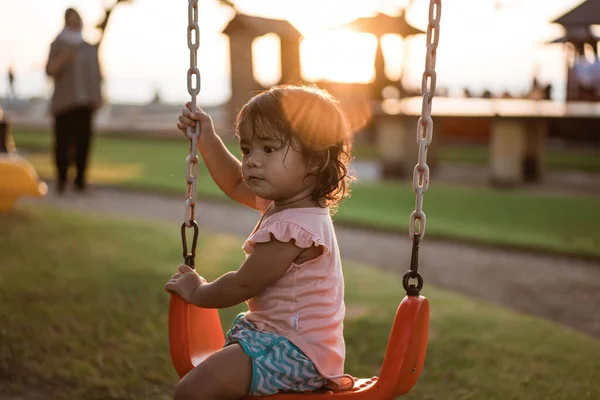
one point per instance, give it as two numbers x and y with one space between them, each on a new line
277 364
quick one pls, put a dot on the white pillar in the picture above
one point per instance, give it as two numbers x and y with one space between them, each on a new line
516 151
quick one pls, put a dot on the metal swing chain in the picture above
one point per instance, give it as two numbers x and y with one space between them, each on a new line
191 162
424 137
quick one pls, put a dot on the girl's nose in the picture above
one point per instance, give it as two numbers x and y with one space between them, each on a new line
253 161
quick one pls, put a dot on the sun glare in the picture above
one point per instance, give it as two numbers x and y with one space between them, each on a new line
340 56
332 54
266 59
393 47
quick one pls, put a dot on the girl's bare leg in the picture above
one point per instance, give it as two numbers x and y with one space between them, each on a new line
225 375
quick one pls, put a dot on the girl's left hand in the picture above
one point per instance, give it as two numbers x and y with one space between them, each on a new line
185 282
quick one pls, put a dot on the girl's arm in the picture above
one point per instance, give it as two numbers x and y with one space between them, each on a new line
263 267
224 167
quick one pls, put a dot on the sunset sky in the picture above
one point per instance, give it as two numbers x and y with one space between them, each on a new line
481 46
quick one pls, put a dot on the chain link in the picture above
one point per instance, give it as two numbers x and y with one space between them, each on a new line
424 137
425 124
191 161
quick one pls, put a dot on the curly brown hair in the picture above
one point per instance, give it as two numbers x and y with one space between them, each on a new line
312 122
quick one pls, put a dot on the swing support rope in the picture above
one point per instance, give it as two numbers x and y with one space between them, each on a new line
424 137
193 133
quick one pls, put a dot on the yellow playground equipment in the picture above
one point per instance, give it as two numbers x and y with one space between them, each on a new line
18 178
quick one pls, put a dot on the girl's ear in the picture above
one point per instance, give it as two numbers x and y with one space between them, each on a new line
318 161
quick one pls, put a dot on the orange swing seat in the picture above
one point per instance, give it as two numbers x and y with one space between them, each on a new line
195 333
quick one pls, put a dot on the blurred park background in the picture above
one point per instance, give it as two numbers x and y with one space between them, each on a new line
511 258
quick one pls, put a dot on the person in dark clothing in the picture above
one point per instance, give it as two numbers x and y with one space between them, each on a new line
73 64
11 83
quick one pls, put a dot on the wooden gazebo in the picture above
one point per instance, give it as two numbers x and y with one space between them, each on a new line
587 13
578 35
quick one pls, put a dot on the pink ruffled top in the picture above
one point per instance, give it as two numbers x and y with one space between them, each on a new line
306 305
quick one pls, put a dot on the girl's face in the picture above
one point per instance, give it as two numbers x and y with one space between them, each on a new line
272 171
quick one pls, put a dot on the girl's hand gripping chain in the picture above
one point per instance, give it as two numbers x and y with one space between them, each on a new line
189 119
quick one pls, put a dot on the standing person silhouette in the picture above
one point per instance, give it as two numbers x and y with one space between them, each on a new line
73 64
11 83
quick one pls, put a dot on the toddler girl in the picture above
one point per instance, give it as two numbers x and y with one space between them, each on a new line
295 144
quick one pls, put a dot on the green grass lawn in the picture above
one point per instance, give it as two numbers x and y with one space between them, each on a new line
563 224
83 315
556 159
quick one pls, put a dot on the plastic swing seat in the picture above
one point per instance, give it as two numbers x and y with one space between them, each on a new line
195 333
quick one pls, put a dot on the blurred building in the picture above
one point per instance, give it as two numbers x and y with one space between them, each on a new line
242 31
583 75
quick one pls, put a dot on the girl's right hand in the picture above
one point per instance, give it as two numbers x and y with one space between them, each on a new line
184 283
189 119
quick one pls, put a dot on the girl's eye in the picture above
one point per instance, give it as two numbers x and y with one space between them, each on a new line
245 151
268 149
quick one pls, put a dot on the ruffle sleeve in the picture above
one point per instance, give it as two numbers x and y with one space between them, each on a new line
284 231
